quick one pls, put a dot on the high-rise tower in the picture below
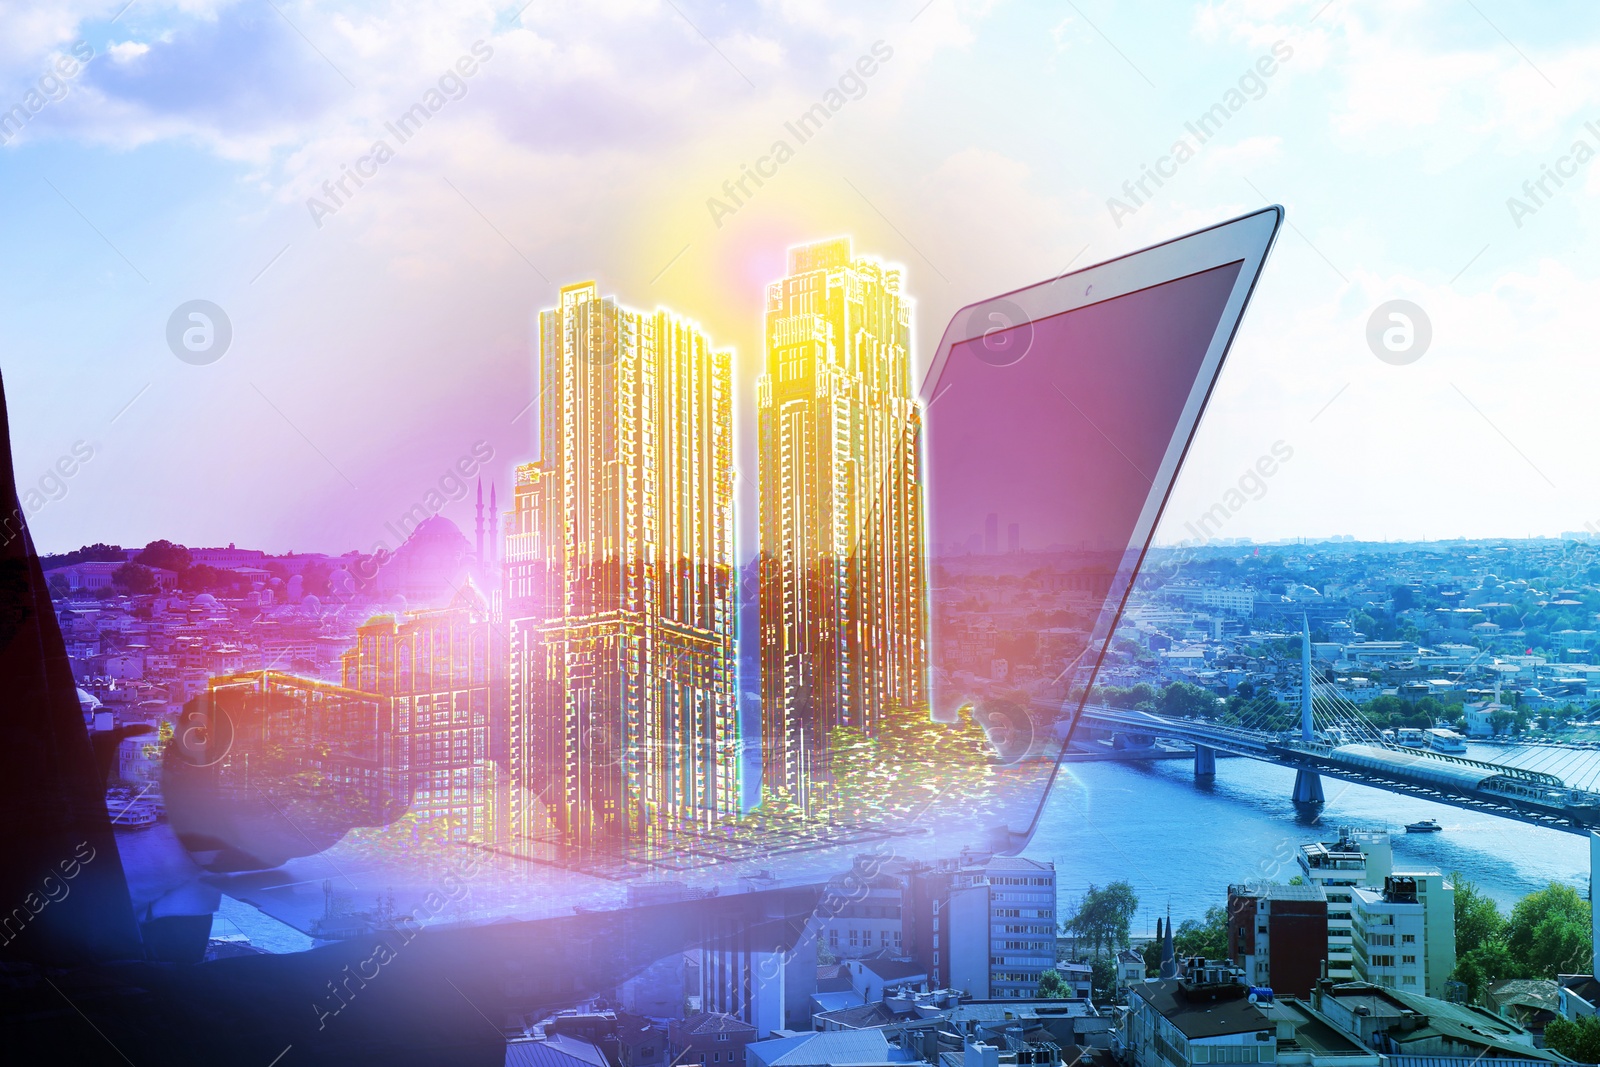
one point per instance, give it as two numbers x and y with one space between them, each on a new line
843 577
621 582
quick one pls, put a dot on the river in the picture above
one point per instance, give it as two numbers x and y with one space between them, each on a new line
1180 844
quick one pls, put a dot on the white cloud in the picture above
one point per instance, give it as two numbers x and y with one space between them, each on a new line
127 51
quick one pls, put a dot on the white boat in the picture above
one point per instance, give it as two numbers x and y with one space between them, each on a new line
133 817
1442 740
1410 737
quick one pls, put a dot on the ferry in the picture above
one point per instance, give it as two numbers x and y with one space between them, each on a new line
1410 737
1426 826
133 817
1441 740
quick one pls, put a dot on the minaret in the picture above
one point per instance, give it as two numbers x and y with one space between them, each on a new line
1169 956
480 522
494 526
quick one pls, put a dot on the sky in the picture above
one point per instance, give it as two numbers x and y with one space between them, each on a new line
381 336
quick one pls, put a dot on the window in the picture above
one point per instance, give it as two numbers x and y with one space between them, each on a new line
1408 939
833 939
1408 959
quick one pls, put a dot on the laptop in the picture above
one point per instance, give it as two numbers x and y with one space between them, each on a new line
1054 421
1057 418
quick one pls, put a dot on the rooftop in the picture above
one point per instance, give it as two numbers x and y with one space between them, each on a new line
857 1017
1278 891
820 1049
1196 1018
1463 1023
1311 1031
1002 1010
713 1022
555 1051
894 970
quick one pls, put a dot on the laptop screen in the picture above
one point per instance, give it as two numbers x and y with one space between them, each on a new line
1043 442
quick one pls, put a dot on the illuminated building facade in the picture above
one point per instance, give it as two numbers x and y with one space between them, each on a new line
325 754
438 670
843 576
620 581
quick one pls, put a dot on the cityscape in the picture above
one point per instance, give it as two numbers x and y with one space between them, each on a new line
936 533
538 696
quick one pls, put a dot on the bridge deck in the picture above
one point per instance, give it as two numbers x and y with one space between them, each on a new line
1531 797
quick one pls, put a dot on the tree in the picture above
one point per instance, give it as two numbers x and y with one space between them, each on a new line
95 553
1485 965
203 578
1103 979
1577 1039
134 578
164 554
1052 986
1104 917
1152 958
1208 938
1478 918
1549 932
1184 699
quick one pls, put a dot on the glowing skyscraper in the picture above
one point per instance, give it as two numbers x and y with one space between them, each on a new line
843 578
621 581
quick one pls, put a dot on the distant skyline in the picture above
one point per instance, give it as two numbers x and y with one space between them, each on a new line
992 145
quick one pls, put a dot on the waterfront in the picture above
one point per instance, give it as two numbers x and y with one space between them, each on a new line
1181 843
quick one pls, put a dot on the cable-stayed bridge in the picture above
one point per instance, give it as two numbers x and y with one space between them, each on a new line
1550 787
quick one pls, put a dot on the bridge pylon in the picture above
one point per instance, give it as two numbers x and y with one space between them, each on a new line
1308 787
1307 783
1205 762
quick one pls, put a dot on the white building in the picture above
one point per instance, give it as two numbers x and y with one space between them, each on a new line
1130 968
868 921
1209 1017
1203 1018
1357 858
1403 935
1480 718
1078 978
1001 923
766 978
1379 653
